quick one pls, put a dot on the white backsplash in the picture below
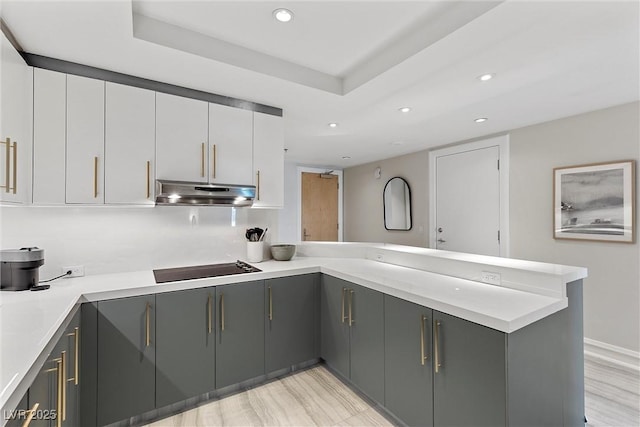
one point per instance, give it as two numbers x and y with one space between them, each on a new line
120 239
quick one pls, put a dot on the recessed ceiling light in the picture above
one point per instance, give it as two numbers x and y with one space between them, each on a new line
283 15
345 157
481 119
486 77
333 125
404 109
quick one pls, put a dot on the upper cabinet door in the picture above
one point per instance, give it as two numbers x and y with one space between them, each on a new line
230 145
15 135
49 136
181 138
268 160
129 144
85 140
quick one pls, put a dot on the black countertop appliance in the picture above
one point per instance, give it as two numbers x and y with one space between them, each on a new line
19 268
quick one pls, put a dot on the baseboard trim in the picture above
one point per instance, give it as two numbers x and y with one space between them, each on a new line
619 356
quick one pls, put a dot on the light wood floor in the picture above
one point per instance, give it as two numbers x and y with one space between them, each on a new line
316 398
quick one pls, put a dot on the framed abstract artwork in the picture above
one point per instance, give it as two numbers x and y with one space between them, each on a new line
595 202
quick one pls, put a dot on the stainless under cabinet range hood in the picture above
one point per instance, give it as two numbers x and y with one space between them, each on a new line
181 193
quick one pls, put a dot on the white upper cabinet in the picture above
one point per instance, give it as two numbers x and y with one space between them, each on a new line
49 136
181 138
268 160
129 144
15 134
230 145
85 140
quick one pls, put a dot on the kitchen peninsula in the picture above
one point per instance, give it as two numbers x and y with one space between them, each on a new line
389 320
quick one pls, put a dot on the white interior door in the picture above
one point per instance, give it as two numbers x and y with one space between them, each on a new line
468 202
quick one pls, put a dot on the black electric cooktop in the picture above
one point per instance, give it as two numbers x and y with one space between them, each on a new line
202 271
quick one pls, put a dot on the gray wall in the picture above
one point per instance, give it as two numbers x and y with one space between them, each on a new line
363 209
612 290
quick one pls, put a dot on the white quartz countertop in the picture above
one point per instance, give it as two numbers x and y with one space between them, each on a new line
29 320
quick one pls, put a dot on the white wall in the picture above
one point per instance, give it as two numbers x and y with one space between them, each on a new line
117 239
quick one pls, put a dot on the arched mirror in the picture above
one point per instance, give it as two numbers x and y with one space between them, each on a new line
397 205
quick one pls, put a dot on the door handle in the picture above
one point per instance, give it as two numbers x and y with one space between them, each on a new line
351 321
148 325
209 313
441 241
423 357
436 352
304 234
270 303
76 352
343 317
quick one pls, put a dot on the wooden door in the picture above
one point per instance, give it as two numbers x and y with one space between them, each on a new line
319 207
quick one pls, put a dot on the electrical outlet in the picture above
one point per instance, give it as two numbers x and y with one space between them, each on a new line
490 277
76 270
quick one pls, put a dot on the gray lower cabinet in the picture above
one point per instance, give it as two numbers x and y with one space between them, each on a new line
18 417
126 358
469 380
408 364
185 345
291 321
240 333
352 334
45 392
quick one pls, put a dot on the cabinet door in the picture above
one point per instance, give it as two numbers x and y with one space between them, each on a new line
15 161
130 117
49 136
465 351
181 138
334 329
126 358
185 345
408 380
230 145
366 315
85 140
240 345
70 343
268 160
291 307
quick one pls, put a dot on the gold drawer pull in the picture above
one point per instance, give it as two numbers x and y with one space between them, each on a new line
148 179
148 325
215 160
270 303
202 161
436 352
222 311
258 186
423 358
76 352
351 321
342 316
209 313
95 177
31 412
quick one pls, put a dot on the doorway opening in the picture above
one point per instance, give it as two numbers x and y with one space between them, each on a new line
319 204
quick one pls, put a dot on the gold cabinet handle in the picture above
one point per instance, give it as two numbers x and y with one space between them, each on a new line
270 303
213 163
209 313
31 412
15 167
342 316
63 381
59 389
148 179
258 185
7 185
95 177
222 311
148 325
76 352
436 351
423 357
351 319
202 161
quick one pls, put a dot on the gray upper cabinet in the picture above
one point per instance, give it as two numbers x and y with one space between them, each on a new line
185 345
291 329
469 381
240 329
334 328
352 334
126 358
408 361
